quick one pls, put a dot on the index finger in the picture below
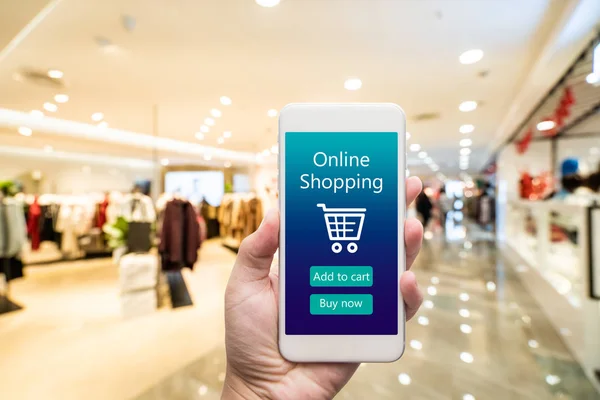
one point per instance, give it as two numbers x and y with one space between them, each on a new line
413 188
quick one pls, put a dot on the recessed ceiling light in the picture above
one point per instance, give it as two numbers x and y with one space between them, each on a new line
227 164
435 168
592 78
55 74
407 135
404 379
103 124
272 113
50 107
415 344
467 106
422 154
48 149
464 296
546 125
209 121
490 286
353 84
36 113
463 312
465 142
97 116
226 101
164 162
207 157
61 98
204 129
431 290
415 147
471 56
428 160
465 151
467 128
215 113
227 134
423 320
464 328
266 152
428 304
274 149
267 3
25 131
220 140
199 135
533 344
435 280
468 396
467 357
464 167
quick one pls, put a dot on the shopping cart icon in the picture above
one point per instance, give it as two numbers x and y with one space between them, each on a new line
344 225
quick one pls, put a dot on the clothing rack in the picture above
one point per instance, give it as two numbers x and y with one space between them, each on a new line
240 214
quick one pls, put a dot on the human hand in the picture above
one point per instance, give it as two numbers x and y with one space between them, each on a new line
255 368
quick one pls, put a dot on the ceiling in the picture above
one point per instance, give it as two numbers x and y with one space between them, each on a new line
165 75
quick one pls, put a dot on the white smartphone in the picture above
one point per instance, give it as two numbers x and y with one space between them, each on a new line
343 204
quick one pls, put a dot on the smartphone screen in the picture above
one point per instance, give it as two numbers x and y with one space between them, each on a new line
341 233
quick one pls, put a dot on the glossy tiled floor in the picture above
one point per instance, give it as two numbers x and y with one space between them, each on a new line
70 341
479 335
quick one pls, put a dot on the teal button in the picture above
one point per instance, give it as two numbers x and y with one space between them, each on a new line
341 276
341 304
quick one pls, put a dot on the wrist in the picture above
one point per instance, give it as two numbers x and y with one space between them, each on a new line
236 389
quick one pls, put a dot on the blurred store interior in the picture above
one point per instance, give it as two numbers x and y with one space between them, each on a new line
118 117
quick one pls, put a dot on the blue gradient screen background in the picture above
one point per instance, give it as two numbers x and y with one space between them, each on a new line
307 242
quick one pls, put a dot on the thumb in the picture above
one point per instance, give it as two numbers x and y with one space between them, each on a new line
256 252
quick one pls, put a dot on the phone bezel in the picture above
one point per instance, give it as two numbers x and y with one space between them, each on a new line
374 117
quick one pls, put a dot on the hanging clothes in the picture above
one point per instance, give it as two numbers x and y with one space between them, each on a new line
101 213
12 268
48 232
239 216
139 208
13 233
74 220
33 224
180 236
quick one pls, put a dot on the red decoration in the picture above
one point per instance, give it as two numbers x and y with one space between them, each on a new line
561 113
525 185
523 144
568 98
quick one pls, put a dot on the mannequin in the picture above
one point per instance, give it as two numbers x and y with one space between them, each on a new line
138 207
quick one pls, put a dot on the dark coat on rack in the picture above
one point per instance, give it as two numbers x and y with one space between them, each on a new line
180 236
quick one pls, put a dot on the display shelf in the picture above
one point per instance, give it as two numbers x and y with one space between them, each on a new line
556 241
